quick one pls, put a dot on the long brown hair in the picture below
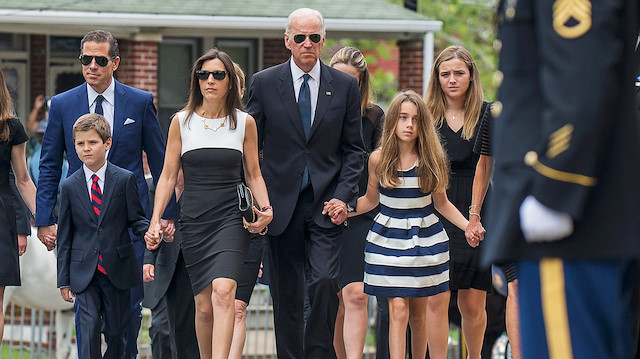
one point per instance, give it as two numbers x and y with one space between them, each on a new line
437 103
6 108
433 165
232 101
351 56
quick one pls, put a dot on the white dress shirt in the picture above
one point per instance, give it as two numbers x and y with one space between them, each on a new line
107 105
101 175
314 84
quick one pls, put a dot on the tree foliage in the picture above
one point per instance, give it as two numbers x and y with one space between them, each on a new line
468 23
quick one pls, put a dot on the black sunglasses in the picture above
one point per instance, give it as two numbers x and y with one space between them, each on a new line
102 61
315 38
217 74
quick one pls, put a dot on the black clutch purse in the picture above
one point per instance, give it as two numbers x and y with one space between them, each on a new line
246 203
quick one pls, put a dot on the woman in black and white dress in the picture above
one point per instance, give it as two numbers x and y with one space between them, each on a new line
213 139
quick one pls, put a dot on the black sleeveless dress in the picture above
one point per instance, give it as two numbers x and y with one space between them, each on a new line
10 267
214 241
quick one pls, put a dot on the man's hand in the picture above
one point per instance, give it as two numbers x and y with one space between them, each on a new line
168 229
337 210
148 272
47 235
67 294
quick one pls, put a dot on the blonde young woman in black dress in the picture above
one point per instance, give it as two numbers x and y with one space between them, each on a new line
454 97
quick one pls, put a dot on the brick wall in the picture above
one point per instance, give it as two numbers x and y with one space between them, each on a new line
275 52
38 61
139 65
411 63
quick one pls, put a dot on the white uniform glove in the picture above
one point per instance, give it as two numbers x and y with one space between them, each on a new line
540 223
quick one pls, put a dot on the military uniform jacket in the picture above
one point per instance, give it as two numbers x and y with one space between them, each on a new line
566 130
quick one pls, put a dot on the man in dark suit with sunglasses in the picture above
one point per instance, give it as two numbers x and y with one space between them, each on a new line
135 128
309 128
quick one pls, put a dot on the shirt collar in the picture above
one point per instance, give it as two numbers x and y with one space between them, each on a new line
109 94
100 173
296 72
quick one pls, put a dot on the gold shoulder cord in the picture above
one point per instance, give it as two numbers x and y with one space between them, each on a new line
570 11
531 159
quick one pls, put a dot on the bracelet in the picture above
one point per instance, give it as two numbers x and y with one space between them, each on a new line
266 208
472 206
475 214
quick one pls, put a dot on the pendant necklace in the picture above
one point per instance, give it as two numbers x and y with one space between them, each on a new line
207 127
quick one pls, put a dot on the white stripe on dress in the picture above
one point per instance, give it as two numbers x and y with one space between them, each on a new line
406 282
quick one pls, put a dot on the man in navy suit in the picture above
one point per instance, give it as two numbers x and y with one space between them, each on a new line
309 128
135 128
96 257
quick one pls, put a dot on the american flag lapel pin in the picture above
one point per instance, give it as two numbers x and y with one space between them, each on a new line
328 93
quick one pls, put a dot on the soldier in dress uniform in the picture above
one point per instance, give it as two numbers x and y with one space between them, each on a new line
566 193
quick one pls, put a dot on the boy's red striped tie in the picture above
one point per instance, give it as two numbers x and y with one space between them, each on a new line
96 201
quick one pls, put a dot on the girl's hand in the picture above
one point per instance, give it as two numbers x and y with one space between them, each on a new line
332 209
474 233
153 236
260 225
22 244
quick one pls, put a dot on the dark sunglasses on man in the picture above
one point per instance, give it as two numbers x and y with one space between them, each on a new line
102 61
217 75
315 38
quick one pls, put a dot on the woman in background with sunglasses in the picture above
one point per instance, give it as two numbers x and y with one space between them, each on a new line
213 139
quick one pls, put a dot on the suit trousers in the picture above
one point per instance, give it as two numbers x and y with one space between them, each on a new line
305 246
135 307
102 307
575 308
181 310
162 347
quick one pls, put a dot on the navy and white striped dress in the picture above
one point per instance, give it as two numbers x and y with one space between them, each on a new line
407 250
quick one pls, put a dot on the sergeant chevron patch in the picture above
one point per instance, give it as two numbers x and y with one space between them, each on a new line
571 18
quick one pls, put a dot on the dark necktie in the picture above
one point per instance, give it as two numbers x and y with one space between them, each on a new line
99 100
96 201
304 106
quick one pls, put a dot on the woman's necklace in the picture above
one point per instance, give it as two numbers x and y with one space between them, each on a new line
207 127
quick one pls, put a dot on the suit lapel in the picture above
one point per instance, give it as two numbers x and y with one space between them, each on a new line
288 97
80 185
325 94
120 104
110 183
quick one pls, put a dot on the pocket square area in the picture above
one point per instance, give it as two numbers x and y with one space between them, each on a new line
129 120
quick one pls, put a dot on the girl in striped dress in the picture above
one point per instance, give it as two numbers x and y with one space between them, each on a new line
407 250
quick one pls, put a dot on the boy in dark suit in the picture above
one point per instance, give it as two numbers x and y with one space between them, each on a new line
96 257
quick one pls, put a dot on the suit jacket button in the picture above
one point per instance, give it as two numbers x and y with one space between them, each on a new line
300 173
306 150
95 250
99 229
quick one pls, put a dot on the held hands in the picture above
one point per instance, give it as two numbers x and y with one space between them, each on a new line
474 232
47 235
336 210
260 225
154 235
67 294
168 229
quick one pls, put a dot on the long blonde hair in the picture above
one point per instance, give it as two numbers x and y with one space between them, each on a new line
6 109
437 103
433 165
351 56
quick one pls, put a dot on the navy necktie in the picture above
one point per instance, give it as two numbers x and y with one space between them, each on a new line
304 106
99 100
96 201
